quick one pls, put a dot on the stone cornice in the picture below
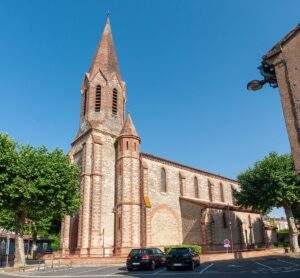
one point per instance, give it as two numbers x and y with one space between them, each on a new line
185 167
215 205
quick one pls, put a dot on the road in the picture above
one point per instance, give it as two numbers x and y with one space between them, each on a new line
277 267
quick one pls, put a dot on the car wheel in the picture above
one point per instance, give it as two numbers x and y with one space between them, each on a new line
152 267
193 266
129 268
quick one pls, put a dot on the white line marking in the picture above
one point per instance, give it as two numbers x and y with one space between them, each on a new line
206 268
263 265
286 262
291 270
158 271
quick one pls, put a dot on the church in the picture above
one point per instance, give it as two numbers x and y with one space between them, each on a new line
131 198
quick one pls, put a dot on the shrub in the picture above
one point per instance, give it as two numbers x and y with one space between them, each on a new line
195 248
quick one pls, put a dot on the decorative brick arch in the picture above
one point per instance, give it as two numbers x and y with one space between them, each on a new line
165 212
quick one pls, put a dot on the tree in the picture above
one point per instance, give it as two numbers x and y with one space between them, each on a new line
272 182
35 185
296 211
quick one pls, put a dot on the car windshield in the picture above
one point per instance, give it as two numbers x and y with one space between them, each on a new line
179 251
137 252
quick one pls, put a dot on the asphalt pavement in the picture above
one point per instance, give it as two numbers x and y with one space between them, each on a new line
277 267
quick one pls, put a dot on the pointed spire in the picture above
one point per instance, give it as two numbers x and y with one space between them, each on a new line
128 127
105 58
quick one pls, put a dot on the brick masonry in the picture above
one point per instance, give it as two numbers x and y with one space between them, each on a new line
188 205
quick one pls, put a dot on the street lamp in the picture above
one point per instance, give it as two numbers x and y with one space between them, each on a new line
269 76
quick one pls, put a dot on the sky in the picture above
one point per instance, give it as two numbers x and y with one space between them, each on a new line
186 64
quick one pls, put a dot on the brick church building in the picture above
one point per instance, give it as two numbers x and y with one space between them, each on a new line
131 198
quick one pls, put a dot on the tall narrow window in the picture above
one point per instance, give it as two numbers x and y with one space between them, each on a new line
84 101
163 180
210 193
181 184
98 99
115 102
222 192
233 190
196 188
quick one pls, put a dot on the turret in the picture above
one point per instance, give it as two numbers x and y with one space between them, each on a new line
128 204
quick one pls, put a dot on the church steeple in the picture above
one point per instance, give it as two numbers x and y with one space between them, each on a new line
105 58
103 92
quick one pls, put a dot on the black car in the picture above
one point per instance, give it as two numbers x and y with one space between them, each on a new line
182 257
145 258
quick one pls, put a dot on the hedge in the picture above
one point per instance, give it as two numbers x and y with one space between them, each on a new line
194 248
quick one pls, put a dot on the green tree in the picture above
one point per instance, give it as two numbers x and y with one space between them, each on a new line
272 182
35 185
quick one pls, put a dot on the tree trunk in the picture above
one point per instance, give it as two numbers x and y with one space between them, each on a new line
34 246
19 241
293 232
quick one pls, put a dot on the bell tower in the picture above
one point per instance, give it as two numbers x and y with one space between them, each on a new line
103 97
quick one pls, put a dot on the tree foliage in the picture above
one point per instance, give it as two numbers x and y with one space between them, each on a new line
272 182
36 186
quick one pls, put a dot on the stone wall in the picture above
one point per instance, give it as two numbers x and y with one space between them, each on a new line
172 220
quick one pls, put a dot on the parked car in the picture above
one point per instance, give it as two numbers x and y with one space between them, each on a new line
182 257
145 258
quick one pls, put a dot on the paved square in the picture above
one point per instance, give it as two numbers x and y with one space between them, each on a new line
281 267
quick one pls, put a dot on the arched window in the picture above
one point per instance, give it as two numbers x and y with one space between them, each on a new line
84 101
115 102
196 188
233 190
181 184
222 192
163 180
98 99
210 193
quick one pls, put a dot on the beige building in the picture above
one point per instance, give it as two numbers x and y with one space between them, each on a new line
131 198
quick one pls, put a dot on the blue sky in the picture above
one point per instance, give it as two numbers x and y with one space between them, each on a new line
185 62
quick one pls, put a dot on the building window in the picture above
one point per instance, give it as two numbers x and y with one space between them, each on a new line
163 180
119 222
196 187
233 190
210 193
98 99
222 192
127 145
181 185
135 146
84 101
115 102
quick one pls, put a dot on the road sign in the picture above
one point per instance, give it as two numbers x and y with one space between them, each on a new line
226 243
